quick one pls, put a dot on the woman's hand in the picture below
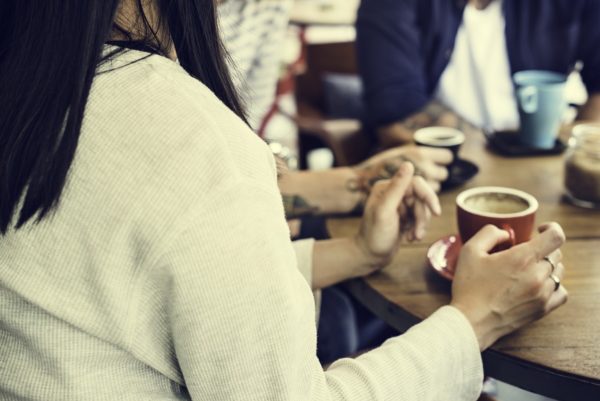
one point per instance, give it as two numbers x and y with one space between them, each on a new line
400 206
430 163
501 292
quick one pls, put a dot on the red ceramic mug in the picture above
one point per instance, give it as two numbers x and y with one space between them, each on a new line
506 208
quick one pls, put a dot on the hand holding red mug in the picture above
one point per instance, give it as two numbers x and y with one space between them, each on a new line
503 291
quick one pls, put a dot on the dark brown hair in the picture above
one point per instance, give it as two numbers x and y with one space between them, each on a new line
49 52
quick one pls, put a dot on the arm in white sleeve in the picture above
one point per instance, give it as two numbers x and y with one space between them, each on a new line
304 256
241 319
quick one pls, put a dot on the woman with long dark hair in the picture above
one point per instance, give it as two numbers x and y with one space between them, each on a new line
145 254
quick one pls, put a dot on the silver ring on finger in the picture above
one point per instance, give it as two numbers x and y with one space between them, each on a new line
547 259
556 281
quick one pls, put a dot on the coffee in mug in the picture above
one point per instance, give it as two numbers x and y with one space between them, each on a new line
506 208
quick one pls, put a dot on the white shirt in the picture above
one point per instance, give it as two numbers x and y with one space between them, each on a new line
477 83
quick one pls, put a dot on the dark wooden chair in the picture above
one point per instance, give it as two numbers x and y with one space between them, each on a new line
344 137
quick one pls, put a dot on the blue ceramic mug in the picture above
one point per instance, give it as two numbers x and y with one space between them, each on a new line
541 100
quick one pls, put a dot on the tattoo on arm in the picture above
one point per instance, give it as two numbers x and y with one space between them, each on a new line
435 113
368 176
296 206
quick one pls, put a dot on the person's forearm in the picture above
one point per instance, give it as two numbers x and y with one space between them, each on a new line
591 109
434 114
340 259
332 191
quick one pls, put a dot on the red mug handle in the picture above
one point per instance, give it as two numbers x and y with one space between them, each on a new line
511 241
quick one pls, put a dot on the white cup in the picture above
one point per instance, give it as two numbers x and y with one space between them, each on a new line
320 159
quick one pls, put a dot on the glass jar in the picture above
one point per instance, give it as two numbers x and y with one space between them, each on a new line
582 166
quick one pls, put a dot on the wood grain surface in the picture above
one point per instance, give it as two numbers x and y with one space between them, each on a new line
558 356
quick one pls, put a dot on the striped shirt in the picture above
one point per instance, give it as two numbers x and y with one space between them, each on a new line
253 32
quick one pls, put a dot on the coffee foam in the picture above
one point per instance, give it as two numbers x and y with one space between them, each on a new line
497 203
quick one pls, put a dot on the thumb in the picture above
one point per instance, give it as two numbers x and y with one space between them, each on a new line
488 238
394 193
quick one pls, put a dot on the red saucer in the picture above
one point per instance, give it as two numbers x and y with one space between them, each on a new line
443 255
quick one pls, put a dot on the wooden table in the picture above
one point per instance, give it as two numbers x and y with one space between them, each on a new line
558 356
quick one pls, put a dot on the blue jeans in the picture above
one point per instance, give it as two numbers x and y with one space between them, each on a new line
346 327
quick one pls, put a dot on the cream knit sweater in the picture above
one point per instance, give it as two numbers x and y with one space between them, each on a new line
167 272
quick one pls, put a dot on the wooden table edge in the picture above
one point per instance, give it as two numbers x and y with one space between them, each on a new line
515 371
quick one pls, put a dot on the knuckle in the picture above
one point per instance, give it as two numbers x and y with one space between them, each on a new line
490 229
524 260
536 285
557 235
541 277
533 258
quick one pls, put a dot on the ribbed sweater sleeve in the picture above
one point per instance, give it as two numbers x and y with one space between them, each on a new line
304 257
241 319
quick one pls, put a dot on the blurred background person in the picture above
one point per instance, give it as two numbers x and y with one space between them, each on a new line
450 63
